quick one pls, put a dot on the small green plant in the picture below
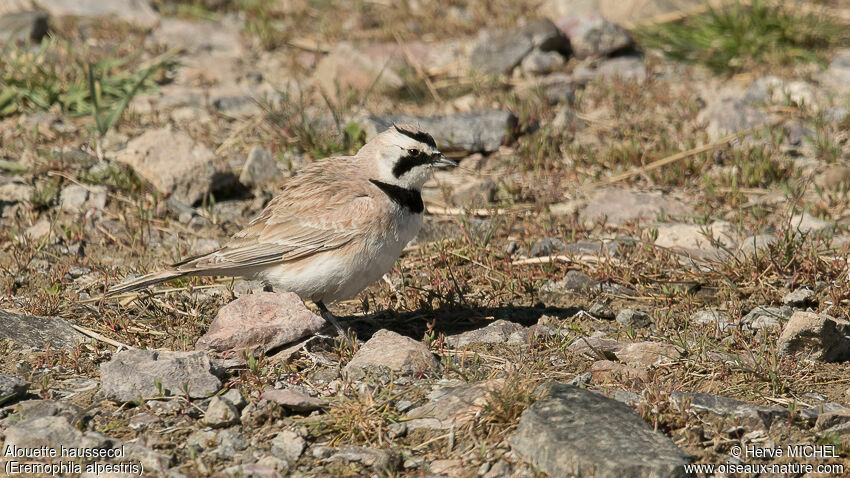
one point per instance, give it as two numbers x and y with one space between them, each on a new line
741 36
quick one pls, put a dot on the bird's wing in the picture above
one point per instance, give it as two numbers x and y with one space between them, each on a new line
319 212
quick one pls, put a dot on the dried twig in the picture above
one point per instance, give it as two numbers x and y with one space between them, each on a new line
100 337
681 155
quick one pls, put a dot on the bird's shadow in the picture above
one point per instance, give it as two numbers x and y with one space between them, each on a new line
449 321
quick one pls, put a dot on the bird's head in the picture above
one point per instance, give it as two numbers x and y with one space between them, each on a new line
406 156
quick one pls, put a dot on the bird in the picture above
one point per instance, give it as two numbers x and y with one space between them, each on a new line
335 227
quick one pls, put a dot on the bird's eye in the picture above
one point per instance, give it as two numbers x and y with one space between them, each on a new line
413 152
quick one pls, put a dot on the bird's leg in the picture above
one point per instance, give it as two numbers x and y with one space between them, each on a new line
329 317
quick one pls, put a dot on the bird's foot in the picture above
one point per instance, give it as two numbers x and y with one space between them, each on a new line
330 318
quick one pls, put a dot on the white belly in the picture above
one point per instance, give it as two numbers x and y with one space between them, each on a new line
341 274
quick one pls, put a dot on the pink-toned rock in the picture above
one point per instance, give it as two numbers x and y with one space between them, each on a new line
346 67
648 353
260 322
388 351
295 401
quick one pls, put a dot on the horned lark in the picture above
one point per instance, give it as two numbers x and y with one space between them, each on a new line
336 227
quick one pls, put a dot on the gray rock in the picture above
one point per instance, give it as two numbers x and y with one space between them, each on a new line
388 351
816 336
347 67
713 240
593 36
134 373
730 115
714 317
261 321
749 415
474 192
800 297
260 168
497 332
805 223
499 52
12 387
766 319
756 244
548 246
601 311
37 332
200 38
837 75
567 432
578 281
25 26
557 88
244 287
293 400
541 62
29 409
619 206
53 432
172 162
627 67
385 460
235 398
475 131
251 470
136 12
288 445
453 403
633 318
812 414
72 198
221 413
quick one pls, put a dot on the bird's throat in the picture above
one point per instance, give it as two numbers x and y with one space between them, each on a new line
409 199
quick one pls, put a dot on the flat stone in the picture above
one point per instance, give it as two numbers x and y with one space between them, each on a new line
748 414
800 297
730 115
172 162
28 409
633 318
388 351
385 460
548 246
826 415
608 372
816 336
619 206
541 62
54 432
134 373
136 12
572 431
805 223
261 321
346 67
596 348
293 400
756 244
626 67
648 353
221 413
697 239
260 168
216 39
12 387
453 403
499 52
288 445
714 317
591 35
24 26
37 332
470 132
497 332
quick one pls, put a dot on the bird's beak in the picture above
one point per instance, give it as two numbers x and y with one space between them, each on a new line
443 162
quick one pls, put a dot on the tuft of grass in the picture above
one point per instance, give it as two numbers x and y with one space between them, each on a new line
57 74
745 35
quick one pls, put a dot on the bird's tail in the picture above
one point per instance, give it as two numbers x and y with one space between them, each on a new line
145 281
